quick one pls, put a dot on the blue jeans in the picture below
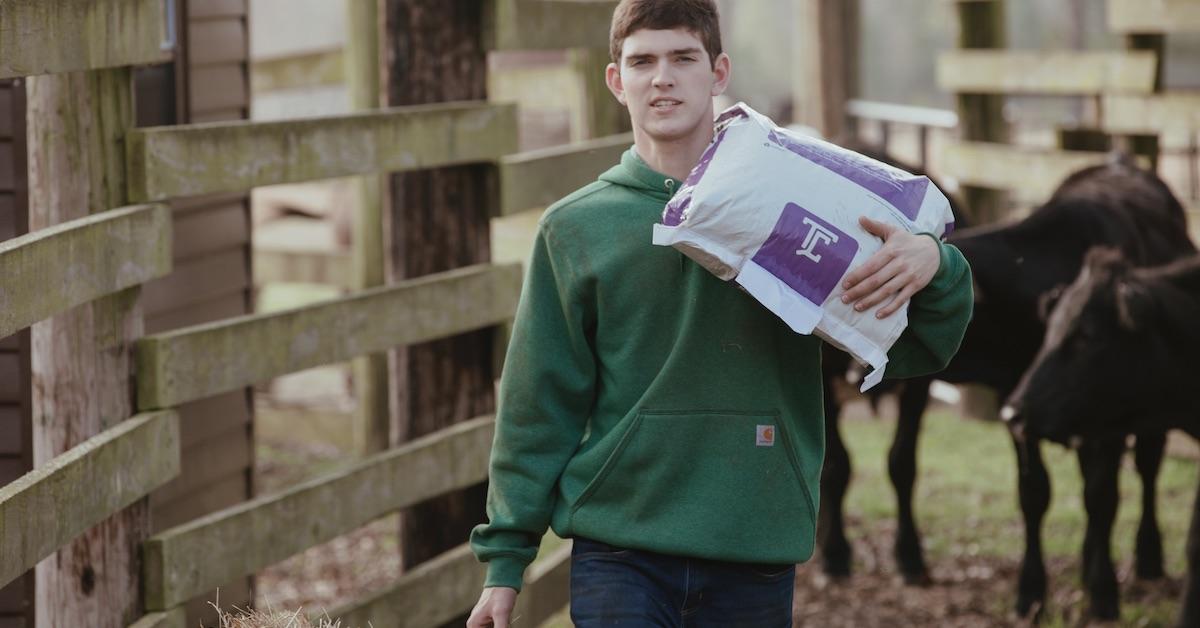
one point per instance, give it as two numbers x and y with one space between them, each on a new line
612 586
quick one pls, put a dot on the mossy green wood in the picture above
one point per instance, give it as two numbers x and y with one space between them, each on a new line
430 595
1175 113
1159 16
52 270
193 558
1031 174
538 178
46 508
204 360
55 36
547 24
174 618
187 160
1046 72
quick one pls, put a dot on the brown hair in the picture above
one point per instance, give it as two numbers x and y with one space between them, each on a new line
698 16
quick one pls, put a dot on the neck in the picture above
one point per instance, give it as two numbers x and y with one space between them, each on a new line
674 158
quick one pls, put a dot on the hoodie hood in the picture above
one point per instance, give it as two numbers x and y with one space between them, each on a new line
635 174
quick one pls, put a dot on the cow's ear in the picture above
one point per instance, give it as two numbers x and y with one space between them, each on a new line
1048 300
1130 305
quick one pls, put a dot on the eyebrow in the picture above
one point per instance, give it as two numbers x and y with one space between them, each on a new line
671 53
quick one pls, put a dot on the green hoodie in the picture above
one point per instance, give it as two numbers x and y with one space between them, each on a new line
647 404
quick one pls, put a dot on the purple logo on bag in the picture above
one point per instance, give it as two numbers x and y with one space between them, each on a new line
902 191
807 253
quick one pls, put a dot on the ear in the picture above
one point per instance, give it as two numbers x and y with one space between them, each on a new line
722 69
1048 299
1131 309
612 77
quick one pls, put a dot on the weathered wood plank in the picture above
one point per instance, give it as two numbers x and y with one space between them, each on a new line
53 36
47 507
216 8
217 41
433 593
55 269
1030 174
1174 112
206 463
322 267
224 493
199 280
195 159
174 618
11 439
1154 16
205 232
311 69
1038 72
201 361
538 178
218 87
197 556
547 24
547 587
228 306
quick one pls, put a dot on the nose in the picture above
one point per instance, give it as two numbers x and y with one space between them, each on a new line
663 77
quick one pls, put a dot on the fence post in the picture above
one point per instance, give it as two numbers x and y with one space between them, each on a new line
981 116
600 114
371 420
825 73
80 359
440 221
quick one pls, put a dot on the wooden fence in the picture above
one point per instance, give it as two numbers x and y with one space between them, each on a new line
79 261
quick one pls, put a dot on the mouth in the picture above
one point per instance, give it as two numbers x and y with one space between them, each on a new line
665 104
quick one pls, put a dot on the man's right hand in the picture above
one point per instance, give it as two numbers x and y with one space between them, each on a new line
493 609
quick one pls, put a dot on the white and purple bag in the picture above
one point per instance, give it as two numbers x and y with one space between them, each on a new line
778 212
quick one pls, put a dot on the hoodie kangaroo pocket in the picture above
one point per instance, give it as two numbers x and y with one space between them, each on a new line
723 480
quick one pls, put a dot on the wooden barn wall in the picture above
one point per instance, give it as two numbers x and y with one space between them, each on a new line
15 458
211 278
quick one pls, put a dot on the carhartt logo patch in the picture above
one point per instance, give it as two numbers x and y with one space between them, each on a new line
764 436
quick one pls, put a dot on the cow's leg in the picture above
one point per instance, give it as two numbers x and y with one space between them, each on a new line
1033 491
1100 463
835 478
1189 616
902 467
1149 552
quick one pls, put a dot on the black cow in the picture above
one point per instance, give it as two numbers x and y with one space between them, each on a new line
1014 265
1119 357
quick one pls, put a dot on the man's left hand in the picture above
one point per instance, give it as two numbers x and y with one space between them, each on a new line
906 264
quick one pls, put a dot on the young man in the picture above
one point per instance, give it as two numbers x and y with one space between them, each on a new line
661 418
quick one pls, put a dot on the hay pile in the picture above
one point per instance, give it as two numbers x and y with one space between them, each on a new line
270 619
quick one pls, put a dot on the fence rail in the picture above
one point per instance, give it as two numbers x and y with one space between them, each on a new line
1030 174
535 179
197 362
194 558
1159 16
55 269
194 159
48 507
52 36
547 24
1164 113
1047 73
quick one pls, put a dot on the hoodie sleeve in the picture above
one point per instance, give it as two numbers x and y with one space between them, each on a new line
546 395
937 319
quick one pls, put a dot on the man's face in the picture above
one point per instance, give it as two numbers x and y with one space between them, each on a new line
667 81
